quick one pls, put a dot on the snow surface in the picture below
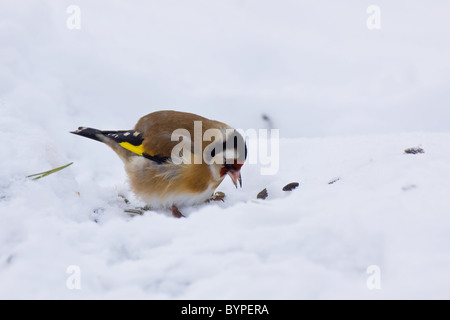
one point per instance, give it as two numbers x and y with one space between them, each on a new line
348 101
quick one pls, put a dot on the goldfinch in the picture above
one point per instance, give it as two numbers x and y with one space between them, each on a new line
176 159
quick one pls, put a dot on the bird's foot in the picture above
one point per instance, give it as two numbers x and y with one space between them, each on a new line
176 213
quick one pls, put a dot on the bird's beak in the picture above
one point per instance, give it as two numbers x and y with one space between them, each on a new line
235 177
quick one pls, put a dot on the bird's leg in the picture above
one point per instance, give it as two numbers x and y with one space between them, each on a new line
176 213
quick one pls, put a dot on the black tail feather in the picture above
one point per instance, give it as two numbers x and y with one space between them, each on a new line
130 136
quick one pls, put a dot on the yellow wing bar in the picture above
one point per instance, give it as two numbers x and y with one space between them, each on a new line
140 151
135 149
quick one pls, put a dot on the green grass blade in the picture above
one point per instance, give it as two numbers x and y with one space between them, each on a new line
46 173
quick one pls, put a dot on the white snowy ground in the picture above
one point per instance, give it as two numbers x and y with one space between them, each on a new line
388 209
343 97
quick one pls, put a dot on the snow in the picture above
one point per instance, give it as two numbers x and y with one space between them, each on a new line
348 101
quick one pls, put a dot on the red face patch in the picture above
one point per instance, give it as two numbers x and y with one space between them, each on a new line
223 171
237 166
227 167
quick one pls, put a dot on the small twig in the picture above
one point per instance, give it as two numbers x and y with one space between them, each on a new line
137 211
134 211
334 180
